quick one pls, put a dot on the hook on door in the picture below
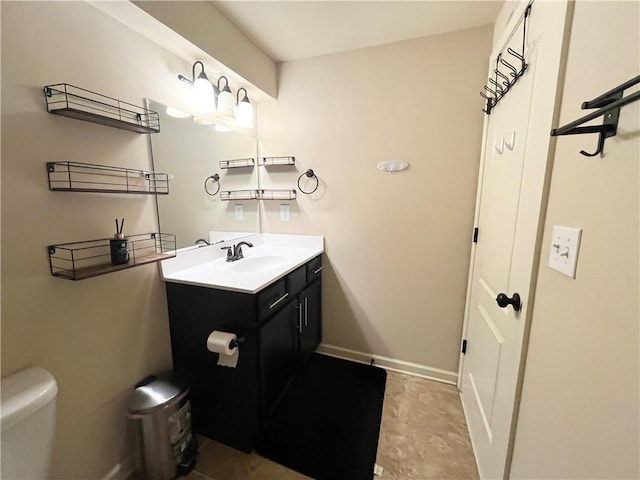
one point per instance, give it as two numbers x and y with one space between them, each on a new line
600 147
506 82
514 70
498 86
511 143
490 91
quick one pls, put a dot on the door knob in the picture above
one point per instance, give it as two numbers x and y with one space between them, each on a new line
504 301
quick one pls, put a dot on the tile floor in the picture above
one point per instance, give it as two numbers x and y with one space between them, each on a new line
423 436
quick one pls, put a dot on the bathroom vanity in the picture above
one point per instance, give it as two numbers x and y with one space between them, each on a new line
272 301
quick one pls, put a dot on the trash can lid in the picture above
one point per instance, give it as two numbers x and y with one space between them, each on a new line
155 391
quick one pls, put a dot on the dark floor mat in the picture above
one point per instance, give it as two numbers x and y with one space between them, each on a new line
327 424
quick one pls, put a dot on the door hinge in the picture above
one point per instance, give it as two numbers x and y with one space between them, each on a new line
464 346
475 235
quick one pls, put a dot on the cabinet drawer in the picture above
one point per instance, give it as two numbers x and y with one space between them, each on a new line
296 281
272 298
314 268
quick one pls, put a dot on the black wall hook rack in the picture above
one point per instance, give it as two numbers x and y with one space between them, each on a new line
608 105
502 81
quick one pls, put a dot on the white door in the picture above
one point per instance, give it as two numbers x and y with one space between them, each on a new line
494 334
511 193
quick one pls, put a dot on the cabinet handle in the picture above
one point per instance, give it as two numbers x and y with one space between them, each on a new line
306 316
278 300
317 270
299 317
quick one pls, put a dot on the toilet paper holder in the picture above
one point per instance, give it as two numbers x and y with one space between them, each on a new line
241 337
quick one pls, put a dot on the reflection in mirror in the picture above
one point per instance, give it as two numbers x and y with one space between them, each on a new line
191 153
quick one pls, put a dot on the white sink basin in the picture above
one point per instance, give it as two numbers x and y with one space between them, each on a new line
258 264
272 257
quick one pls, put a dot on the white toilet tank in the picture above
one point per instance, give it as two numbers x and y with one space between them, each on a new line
28 423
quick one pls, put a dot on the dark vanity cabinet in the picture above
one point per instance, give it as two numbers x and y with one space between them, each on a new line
278 355
309 321
279 327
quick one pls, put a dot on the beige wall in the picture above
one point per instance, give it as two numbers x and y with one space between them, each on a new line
579 415
102 335
202 24
397 246
99 336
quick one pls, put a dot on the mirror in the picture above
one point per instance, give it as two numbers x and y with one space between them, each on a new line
191 153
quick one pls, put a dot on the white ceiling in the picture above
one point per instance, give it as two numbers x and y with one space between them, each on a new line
296 29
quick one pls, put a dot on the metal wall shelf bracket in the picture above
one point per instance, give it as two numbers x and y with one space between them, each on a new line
86 259
82 104
260 194
608 105
237 163
268 161
88 177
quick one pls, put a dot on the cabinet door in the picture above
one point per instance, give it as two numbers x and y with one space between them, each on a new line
310 319
224 401
278 354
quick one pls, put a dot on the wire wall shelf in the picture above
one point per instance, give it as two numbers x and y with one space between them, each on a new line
277 194
75 102
268 161
237 163
228 195
258 194
262 194
87 177
81 260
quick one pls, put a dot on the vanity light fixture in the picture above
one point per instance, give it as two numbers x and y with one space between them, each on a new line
202 88
225 99
244 110
216 98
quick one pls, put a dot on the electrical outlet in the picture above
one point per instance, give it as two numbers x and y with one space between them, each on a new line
565 245
239 211
284 213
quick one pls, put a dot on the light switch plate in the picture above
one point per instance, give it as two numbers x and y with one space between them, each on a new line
284 213
239 211
565 245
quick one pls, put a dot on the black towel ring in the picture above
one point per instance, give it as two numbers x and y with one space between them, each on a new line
216 178
309 173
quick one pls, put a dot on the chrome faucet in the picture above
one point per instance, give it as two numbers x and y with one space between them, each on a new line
201 242
235 253
237 250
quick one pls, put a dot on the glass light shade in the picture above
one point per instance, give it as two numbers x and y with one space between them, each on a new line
225 104
203 94
244 114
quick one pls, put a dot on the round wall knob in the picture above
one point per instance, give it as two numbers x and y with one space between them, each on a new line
504 301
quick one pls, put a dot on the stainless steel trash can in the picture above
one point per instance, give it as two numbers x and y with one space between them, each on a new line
161 414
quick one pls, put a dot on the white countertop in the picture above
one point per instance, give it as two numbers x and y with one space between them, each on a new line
272 257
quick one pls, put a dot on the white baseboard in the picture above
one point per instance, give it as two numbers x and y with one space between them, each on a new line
123 470
392 364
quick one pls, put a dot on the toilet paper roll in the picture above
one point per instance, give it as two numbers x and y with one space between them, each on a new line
220 342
